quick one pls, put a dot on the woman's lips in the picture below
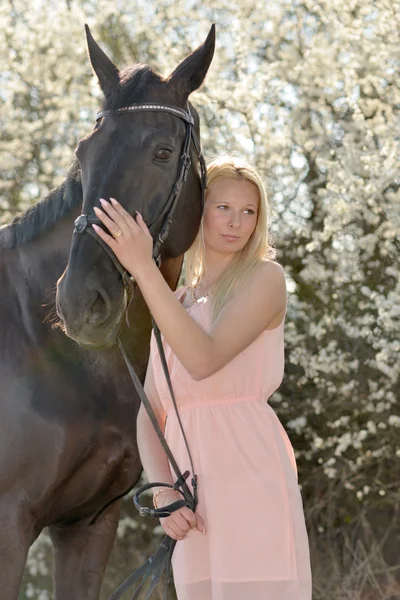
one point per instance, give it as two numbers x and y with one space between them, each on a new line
230 238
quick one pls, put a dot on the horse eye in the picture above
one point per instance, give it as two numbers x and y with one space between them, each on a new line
163 154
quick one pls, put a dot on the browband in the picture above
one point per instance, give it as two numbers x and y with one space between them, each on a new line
175 110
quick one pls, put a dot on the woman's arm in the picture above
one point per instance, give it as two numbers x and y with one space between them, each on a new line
156 465
255 305
152 454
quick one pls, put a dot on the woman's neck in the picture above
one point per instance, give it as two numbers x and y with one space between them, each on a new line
215 265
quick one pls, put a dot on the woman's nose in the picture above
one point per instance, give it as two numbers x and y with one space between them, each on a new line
234 220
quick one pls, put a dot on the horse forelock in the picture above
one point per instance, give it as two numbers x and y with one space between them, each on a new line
133 86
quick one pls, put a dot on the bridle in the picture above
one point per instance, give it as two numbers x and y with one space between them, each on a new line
83 222
161 559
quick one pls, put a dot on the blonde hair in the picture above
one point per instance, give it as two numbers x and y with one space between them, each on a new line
257 249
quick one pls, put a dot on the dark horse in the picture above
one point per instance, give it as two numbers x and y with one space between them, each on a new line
68 449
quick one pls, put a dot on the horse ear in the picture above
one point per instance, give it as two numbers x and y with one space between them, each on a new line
190 73
107 73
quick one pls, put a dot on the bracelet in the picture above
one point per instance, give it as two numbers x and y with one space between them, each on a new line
156 494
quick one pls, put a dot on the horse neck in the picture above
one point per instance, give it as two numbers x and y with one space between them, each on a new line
44 258
32 261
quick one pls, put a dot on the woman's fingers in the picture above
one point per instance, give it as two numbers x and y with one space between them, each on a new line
121 210
180 522
124 213
184 518
116 218
200 525
189 516
194 520
104 236
142 225
111 225
176 533
172 528
111 219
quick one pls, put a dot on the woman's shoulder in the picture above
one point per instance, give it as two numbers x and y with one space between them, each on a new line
271 264
267 271
266 282
272 274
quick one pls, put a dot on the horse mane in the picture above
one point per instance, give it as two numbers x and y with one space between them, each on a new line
134 82
43 215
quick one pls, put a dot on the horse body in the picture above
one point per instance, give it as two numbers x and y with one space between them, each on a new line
68 419
68 450
68 447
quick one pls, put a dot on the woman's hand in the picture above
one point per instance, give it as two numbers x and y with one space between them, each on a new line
130 240
180 521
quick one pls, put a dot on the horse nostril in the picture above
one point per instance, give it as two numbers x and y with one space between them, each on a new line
100 309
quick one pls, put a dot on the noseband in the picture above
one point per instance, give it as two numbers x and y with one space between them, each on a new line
161 560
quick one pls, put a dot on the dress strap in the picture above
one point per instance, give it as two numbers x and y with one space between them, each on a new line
182 296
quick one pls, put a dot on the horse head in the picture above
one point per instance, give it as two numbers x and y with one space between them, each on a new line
134 156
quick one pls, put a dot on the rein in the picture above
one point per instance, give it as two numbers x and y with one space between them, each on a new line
161 559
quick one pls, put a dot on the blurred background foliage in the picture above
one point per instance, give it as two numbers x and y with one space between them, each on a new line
308 91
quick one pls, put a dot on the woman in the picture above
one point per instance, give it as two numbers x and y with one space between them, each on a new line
223 336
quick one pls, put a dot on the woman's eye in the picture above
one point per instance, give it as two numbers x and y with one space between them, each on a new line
164 154
248 210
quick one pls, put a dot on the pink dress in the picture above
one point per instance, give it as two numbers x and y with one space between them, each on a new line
256 544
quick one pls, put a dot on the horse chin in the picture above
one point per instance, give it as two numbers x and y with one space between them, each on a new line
92 338
92 341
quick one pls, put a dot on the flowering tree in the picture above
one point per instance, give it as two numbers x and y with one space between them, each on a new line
307 90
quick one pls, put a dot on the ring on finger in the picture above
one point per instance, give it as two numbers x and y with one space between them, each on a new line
117 234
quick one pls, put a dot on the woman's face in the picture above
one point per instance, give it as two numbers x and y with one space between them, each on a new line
231 209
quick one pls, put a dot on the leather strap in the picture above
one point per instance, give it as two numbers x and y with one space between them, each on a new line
148 106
